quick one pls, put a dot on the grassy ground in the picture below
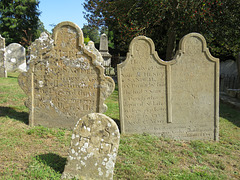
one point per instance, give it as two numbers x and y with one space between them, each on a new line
40 152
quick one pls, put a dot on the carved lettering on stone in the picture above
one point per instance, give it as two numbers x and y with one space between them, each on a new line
63 81
178 98
93 149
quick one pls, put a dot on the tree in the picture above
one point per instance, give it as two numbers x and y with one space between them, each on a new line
92 33
19 21
166 21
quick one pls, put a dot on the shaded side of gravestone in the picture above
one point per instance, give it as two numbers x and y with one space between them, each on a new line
16 58
3 70
177 99
93 149
63 83
143 81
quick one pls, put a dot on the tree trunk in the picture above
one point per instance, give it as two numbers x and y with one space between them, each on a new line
171 44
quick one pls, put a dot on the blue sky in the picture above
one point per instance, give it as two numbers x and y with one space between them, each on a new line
56 11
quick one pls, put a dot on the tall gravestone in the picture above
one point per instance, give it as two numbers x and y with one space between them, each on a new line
177 99
3 70
63 83
16 58
93 149
104 50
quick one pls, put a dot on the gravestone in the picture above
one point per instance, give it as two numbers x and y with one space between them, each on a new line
15 58
3 70
63 82
238 67
93 149
104 50
228 68
91 48
178 99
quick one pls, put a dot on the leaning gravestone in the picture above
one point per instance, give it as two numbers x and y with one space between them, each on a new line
177 99
3 70
15 58
62 82
93 149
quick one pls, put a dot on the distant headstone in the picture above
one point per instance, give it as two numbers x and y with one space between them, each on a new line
177 99
91 48
93 149
63 82
229 68
238 67
16 58
104 50
3 70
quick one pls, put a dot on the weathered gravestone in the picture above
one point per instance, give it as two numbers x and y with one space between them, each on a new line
104 50
3 70
91 47
177 99
15 58
62 82
93 149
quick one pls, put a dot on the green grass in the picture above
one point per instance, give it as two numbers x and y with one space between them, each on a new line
40 152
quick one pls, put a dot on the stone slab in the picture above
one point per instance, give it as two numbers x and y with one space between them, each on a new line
177 99
93 149
16 58
63 81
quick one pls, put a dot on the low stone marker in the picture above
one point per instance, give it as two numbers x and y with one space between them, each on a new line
177 99
63 81
16 58
3 70
93 149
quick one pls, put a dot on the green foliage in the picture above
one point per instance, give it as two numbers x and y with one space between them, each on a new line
91 33
86 40
19 21
166 21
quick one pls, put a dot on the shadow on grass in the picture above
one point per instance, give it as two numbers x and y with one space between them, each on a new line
52 160
13 114
232 115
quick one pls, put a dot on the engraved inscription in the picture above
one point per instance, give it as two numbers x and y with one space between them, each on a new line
177 99
93 149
